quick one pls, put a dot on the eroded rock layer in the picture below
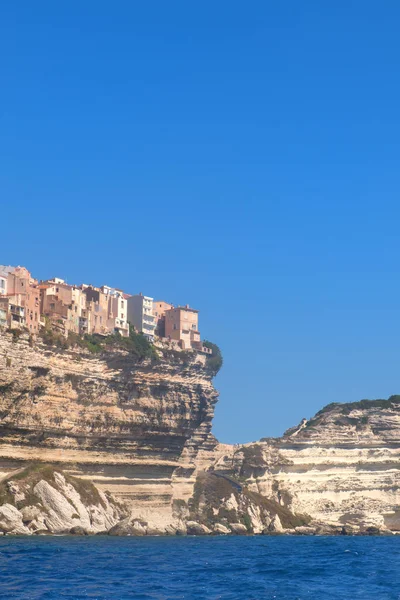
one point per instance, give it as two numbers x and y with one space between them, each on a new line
131 428
141 433
341 467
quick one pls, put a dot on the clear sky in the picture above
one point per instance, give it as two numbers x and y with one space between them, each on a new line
239 157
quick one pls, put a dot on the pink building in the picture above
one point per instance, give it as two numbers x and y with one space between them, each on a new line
181 324
24 298
62 303
159 309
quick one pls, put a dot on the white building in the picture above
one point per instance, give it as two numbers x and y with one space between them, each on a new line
3 285
4 272
140 314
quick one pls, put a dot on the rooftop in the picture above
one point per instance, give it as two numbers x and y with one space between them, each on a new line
187 308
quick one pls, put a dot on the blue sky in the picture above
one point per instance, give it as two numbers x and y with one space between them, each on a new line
242 158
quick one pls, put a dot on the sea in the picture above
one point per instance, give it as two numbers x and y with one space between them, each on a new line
234 568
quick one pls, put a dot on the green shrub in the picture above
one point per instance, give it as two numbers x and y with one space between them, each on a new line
214 360
52 338
93 343
16 333
136 344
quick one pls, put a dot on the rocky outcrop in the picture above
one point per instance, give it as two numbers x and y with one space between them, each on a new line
40 499
11 520
219 500
341 467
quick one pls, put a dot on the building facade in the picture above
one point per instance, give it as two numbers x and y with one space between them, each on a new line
62 303
140 314
159 309
4 312
87 309
181 324
3 285
23 294
117 310
96 310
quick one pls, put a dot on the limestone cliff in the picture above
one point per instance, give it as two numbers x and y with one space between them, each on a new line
341 467
140 433
132 428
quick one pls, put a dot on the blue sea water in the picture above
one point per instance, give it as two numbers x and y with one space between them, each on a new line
282 568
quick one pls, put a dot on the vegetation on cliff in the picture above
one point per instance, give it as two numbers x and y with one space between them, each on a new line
346 407
221 499
136 344
214 360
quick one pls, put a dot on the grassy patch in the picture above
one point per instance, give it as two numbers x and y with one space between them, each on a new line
253 455
287 518
53 338
88 492
136 344
211 489
346 407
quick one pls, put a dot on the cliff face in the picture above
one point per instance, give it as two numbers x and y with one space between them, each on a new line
341 467
133 429
140 432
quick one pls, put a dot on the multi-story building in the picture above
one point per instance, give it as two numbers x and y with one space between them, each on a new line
96 310
32 307
3 285
88 309
159 309
4 311
4 302
5 270
24 297
85 309
140 314
117 310
16 312
63 303
181 324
